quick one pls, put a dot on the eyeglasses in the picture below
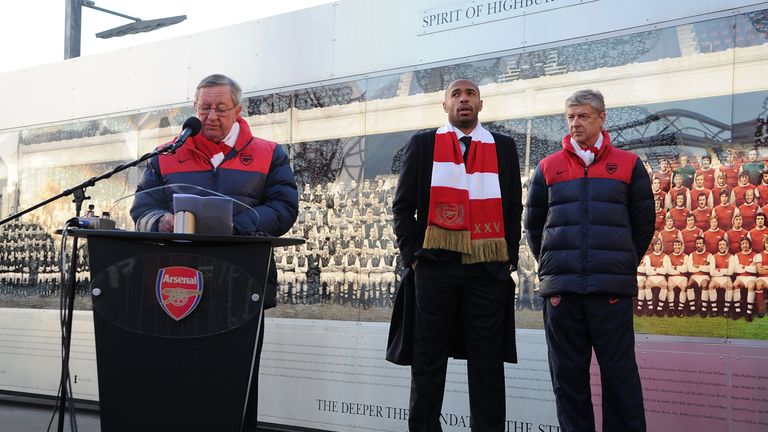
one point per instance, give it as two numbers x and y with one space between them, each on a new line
205 110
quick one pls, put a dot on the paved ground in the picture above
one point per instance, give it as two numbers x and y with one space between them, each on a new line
25 417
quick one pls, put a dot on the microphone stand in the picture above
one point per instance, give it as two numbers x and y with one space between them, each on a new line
79 190
79 196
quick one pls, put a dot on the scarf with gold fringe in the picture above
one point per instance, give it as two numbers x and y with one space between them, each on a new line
465 210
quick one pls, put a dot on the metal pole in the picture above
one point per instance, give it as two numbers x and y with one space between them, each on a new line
528 136
72 25
92 5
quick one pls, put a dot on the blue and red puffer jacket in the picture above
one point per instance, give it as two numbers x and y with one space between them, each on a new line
589 226
255 172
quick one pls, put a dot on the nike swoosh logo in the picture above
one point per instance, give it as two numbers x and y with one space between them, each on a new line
183 160
560 172
613 300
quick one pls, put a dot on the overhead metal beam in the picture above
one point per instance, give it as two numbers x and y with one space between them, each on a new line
73 25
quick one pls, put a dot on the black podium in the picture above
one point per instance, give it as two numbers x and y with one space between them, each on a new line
176 318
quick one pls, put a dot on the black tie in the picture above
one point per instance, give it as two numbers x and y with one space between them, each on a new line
467 140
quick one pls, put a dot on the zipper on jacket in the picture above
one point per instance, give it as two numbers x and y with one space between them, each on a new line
585 222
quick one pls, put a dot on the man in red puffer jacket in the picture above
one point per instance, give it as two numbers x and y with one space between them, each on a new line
589 220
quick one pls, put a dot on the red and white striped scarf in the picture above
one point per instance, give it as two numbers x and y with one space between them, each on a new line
465 210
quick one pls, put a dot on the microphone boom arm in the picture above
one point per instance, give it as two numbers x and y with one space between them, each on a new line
79 190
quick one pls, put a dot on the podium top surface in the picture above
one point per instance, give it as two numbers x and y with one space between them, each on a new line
182 238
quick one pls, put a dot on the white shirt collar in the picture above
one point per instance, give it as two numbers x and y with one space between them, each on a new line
231 138
460 134
587 156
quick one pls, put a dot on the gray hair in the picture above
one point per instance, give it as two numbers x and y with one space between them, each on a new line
587 97
216 80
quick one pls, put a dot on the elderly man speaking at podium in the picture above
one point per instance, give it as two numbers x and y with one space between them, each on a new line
224 158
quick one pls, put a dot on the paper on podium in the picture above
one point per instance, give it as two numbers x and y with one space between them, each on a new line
213 214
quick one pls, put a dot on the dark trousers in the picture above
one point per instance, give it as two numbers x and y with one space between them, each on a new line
454 299
574 325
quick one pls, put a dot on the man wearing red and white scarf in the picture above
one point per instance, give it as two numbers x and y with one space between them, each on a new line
589 219
457 219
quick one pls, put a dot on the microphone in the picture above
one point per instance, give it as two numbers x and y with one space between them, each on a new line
190 128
